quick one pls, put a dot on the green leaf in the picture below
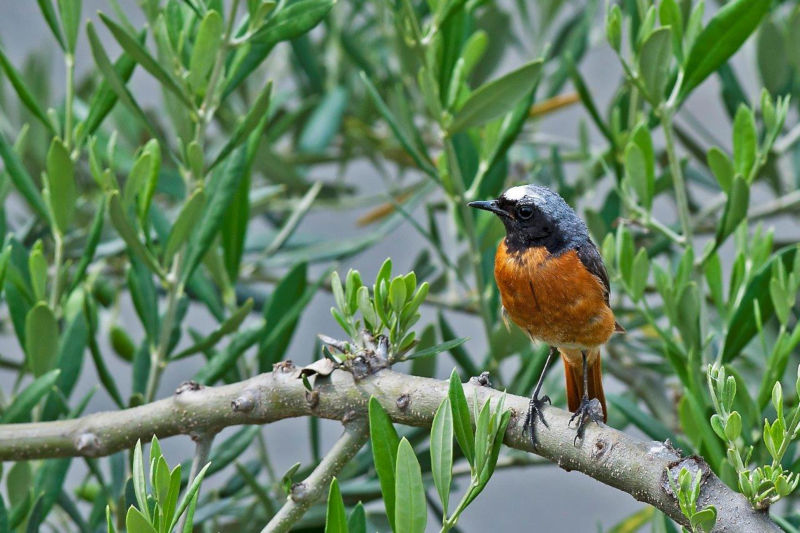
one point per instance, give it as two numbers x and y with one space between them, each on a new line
722 168
669 13
745 142
654 62
19 482
771 54
437 349
139 483
70 11
357 523
49 14
335 516
639 274
258 110
462 424
185 223
735 209
24 402
61 192
230 325
636 171
22 180
289 22
614 27
410 511
204 51
291 288
25 95
41 336
324 122
136 522
150 165
139 53
496 97
37 266
114 79
442 451
129 235
384 442
222 361
221 194
726 32
189 497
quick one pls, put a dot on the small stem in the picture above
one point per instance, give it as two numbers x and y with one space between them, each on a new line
55 296
201 450
316 484
69 60
678 182
159 356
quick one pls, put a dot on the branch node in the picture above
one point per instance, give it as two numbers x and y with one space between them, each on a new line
601 448
481 381
298 492
349 417
403 401
312 398
244 403
187 386
693 464
284 367
88 444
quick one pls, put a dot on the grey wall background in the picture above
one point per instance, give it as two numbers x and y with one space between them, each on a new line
542 498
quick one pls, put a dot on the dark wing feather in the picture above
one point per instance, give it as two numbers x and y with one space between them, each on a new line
591 259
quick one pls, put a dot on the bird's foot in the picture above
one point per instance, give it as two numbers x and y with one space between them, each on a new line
589 410
535 406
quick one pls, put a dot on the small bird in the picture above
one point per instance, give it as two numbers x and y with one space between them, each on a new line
554 286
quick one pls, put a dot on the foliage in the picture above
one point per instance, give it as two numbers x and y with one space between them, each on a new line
127 215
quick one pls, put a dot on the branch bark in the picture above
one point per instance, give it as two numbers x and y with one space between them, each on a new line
609 456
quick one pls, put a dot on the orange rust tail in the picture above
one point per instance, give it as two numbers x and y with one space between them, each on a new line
573 370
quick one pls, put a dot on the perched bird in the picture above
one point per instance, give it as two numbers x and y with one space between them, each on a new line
554 286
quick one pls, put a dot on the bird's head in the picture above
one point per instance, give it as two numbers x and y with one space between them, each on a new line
536 216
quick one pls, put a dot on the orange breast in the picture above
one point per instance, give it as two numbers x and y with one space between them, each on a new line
554 298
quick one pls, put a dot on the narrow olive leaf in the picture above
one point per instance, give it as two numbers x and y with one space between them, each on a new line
41 339
49 14
462 424
742 324
89 249
70 11
187 220
106 379
496 97
654 61
335 516
442 451
669 13
745 142
24 94
114 79
324 122
722 168
189 497
410 510
25 401
104 98
357 522
228 180
636 172
728 29
257 111
135 521
439 348
222 361
230 325
61 190
128 234
288 22
422 160
204 52
735 209
70 357
384 442
139 484
139 53
37 268
22 180
149 179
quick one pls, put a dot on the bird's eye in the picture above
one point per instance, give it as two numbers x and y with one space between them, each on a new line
524 212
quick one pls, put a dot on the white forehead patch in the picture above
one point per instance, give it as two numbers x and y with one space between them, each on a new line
516 194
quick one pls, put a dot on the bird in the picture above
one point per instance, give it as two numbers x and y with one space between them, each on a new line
554 286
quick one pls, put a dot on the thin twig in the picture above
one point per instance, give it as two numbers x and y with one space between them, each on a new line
201 451
304 494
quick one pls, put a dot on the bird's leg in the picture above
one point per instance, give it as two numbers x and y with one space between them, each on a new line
589 408
536 404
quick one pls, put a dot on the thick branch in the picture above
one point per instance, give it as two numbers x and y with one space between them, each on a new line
610 456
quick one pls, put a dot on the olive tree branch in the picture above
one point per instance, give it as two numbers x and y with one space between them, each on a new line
635 466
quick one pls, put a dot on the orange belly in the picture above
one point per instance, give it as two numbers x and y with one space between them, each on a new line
554 298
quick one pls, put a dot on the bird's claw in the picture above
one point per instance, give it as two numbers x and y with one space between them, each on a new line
535 406
589 410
